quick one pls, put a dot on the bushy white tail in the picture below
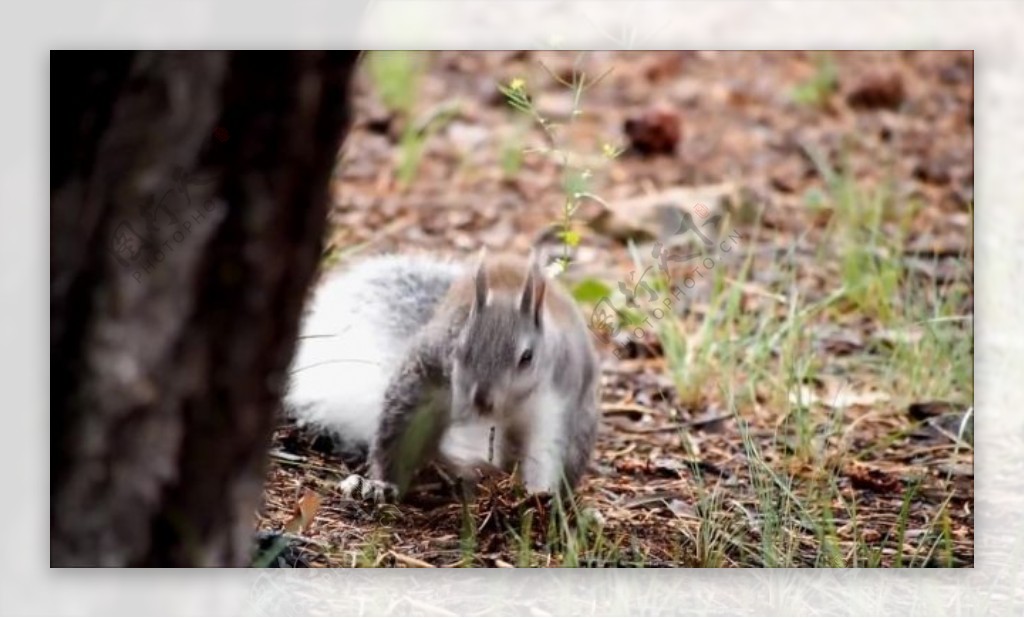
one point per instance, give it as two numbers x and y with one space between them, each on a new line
356 331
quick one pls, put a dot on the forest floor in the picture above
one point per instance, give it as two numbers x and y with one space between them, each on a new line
803 398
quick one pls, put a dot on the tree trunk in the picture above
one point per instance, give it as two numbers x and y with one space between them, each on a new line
188 203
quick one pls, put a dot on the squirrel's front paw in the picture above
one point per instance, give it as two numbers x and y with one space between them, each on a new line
368 490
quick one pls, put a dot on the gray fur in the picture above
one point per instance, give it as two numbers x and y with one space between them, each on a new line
456 350
407 295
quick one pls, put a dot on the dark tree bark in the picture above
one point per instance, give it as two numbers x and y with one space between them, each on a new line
188 205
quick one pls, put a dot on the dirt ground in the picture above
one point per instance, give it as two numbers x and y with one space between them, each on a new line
811 403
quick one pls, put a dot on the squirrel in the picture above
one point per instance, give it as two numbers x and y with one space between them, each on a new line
423 360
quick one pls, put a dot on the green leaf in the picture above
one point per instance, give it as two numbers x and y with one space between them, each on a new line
395 75
591 291
575 182
817 89
516 98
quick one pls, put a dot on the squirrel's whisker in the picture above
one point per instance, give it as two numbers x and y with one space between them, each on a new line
335 361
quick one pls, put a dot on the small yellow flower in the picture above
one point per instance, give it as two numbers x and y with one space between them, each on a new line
609 151
571 238
516 84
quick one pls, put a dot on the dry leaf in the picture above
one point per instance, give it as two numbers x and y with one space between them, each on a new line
930 409
873 479
682 509
305 511
903 336
660 215
837 394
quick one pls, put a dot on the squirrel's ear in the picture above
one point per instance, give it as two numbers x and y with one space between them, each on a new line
480 282
532 302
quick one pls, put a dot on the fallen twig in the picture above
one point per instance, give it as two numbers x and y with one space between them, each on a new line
410 561
677 426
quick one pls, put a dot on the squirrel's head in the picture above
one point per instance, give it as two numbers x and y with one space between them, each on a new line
500 356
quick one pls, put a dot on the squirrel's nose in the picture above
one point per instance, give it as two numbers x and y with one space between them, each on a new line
482 400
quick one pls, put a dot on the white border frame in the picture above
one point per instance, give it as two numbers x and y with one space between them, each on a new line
991 28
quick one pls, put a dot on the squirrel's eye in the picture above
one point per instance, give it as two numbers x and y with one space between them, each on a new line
526 359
